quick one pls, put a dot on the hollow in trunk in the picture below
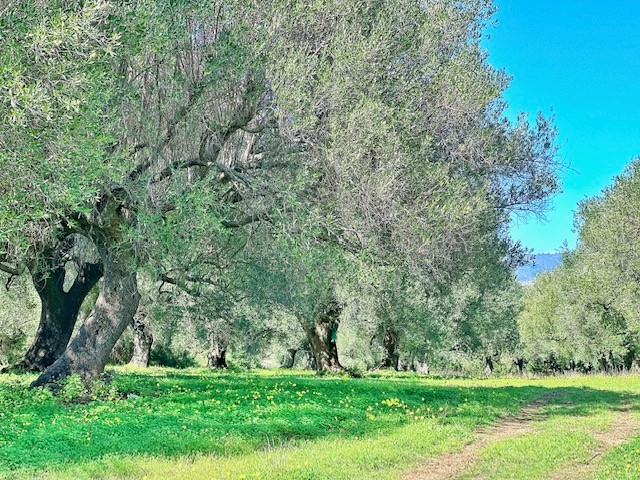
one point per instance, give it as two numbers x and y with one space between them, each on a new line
289 358
58 314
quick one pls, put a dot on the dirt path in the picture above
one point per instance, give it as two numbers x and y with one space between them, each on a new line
622 429
454 464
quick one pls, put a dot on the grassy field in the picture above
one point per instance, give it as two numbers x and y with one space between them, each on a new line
196 424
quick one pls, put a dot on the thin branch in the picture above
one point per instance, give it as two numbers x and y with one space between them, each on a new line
197 162
180 114
256 217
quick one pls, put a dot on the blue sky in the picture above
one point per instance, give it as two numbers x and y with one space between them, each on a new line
581 60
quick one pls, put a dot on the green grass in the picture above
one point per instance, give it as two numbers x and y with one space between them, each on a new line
272 424
563 438
622 463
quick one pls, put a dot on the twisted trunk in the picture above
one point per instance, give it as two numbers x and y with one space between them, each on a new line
217 357
88 352
58 315
322 336
289 358
390 349
142 341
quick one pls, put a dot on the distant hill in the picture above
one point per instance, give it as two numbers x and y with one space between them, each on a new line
538 263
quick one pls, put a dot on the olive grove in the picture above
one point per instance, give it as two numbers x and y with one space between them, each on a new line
583 315
238 163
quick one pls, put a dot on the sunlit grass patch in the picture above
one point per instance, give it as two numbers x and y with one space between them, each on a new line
551 444
623 462
279 424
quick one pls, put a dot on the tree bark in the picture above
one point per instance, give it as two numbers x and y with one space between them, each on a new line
289 358
307 360
604 364
390 349
58 314
88 352
612 362
217 358
142 341
519 363
488 366
322 336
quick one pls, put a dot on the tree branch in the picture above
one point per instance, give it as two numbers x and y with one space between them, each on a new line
180 114
197 162
256 217
13 271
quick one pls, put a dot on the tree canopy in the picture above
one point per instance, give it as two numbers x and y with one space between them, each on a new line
188 140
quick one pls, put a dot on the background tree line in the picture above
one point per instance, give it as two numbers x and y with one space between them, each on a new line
584 315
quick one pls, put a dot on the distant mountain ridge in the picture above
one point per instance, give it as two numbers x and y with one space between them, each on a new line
538 263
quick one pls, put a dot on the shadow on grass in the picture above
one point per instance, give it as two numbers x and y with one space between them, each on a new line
175 413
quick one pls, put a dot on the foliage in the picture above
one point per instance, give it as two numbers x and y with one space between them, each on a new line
19 315
164 356
55 82
166 132
426 191
583 314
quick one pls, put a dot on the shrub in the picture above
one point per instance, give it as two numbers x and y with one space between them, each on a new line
164 356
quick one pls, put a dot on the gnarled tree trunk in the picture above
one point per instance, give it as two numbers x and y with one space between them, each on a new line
142 341
217 357
88 352
488 366
289 358
58 314
390 349
322 336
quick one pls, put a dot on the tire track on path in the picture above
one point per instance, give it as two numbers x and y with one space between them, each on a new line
623 428
454 464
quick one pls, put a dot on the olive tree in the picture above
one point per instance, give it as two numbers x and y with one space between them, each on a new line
107 107
374 127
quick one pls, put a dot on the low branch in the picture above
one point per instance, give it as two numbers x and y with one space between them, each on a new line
13 271
139 169
256 217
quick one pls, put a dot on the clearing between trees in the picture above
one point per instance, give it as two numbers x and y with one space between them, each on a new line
471 462
198 424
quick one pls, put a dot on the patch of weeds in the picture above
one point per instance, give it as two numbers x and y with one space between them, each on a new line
75 390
